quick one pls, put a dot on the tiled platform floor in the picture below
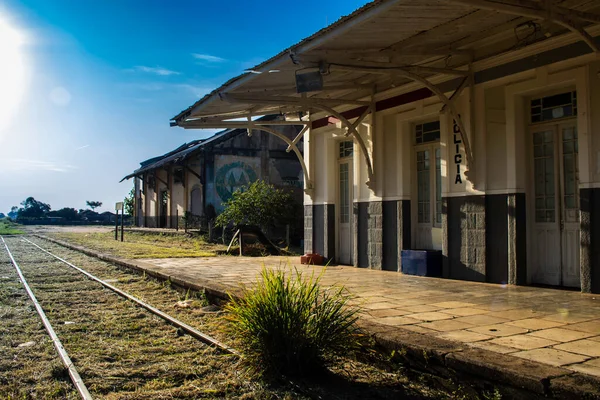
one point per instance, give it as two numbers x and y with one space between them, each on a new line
556 327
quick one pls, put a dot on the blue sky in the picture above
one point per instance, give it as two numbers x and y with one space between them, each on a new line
89 87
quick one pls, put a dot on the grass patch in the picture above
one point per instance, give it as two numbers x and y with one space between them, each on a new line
142 245
7 227
290 324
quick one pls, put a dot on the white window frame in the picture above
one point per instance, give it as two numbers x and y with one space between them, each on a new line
433 176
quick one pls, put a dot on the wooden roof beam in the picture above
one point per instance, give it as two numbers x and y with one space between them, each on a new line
198 124
291 89
531 9
287 100
392 51
378 68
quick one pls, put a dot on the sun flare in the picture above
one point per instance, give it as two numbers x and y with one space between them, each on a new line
12 71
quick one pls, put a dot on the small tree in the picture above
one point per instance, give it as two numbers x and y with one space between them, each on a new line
130 202
261 204
93 204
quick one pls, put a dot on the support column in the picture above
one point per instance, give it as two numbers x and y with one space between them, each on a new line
396 233
404 229
329 231
590 240
375 235
308 228
445 243
356 250
517 239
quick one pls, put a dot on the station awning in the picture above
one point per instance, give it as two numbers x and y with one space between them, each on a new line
359 59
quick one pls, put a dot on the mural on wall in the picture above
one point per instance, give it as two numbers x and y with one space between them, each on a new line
232 173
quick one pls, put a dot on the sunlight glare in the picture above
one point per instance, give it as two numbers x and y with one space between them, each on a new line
12 71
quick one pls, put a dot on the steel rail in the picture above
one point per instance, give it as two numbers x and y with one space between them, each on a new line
173 321
62 353
191 331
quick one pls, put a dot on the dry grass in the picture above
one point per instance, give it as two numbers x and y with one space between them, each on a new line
27 371
143 245
123 353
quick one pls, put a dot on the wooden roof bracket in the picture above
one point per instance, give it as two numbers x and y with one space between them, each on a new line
450 107
568 18
191 171
297 138
309 190
352 129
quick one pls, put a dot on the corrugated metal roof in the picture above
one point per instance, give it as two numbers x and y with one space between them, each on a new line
438 37
188 149
283 53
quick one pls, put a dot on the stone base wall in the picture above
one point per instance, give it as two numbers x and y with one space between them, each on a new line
375 232
464 250
517 239
590 240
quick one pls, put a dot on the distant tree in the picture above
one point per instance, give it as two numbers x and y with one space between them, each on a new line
32 209
130 202
2 215
88 215
68 214
93 204
260 204
14 212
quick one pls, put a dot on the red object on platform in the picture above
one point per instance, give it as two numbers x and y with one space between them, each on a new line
311 259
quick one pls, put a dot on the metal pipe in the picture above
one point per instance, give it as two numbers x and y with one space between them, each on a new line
62 353
190 330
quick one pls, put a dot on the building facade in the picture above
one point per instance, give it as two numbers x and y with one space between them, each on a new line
529 212
198 177
468 127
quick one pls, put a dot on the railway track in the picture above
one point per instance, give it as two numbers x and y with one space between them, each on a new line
121 335
83 308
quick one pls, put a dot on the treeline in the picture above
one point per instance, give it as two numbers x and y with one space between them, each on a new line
35 211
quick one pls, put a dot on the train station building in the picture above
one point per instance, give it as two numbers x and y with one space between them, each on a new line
195 179
468 128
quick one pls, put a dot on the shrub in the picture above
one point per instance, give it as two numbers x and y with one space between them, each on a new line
290 324
260 204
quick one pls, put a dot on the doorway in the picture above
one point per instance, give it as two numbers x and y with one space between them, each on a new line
428 186
345 198
162 221
555 206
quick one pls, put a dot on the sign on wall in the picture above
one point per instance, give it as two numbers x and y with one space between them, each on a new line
457 155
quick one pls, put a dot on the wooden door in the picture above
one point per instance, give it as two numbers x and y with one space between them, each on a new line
345 196
556 232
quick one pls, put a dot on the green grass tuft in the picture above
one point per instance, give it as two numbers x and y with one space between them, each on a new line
290 324
7 227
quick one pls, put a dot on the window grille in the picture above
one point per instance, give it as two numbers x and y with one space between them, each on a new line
557 106
346 149
427 132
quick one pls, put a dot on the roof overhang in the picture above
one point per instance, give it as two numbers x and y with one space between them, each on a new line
387 44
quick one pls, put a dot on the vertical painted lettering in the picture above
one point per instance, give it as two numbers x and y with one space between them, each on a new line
457 155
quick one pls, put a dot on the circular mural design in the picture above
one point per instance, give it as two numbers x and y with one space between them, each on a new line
233 176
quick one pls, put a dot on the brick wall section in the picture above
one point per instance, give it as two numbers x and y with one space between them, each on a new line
464 246
475 245
375 229
308 228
